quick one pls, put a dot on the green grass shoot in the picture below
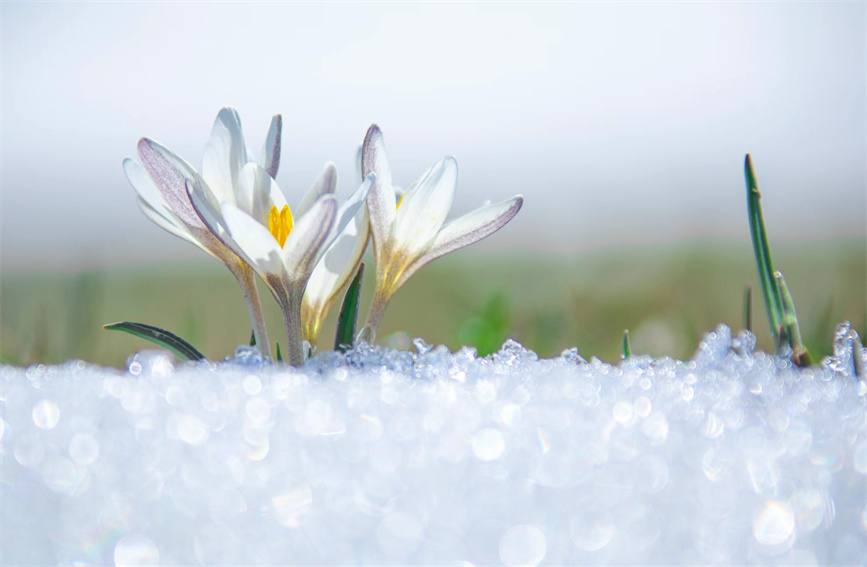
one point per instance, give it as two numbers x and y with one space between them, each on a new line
782 317
487 330
800 354
748 308
627 349
770 291
160 337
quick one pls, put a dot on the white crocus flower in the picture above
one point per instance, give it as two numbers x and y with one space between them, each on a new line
283 249
160 181
410 232
333 273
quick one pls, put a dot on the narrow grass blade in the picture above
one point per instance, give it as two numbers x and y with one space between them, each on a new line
770 291
748 308
279 356
348 318
627 349
160 337
800 354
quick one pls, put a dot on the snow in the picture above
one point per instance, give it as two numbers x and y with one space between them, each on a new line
383 457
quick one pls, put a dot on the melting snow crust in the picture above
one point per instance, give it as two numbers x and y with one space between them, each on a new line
383 457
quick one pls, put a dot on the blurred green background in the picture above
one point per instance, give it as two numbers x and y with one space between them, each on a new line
666 298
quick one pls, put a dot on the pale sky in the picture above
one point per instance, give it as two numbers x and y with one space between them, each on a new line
621 123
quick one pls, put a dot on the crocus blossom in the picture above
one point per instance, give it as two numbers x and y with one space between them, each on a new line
411 231
283 248
160 179
332 274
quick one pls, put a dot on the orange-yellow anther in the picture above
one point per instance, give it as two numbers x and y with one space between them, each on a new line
399 201
280 224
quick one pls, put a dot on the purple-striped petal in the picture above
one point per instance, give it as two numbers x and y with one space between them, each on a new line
269 158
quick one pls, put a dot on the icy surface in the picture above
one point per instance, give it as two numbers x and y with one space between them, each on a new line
383 457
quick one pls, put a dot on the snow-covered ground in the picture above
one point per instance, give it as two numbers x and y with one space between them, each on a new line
383 457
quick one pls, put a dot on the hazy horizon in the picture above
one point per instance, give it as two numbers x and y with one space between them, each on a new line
619 123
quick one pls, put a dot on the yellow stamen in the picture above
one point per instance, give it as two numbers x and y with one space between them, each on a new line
399 201
280 224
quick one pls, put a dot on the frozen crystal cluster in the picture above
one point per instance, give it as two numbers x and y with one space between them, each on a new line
383 457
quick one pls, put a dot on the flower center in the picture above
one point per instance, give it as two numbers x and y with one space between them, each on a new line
280 224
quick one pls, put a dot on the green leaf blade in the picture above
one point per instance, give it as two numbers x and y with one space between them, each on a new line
800 354
627 348
348 318
759 235
160 337
748 308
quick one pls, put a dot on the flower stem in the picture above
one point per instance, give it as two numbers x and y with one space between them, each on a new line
374 317
247 281
291 307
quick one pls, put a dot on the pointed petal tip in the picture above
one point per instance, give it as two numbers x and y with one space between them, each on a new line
373 135
328 177
517 204
227 110
144 143
229 117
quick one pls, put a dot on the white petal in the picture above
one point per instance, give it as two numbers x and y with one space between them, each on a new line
225 155
166 223
373 157
201 237
277 199
254 192
209 210
358 174
269 158
339 263
309 238
381 202
349 209
257 244
138 177
425 206
466 230
345 245
169 173
326 183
